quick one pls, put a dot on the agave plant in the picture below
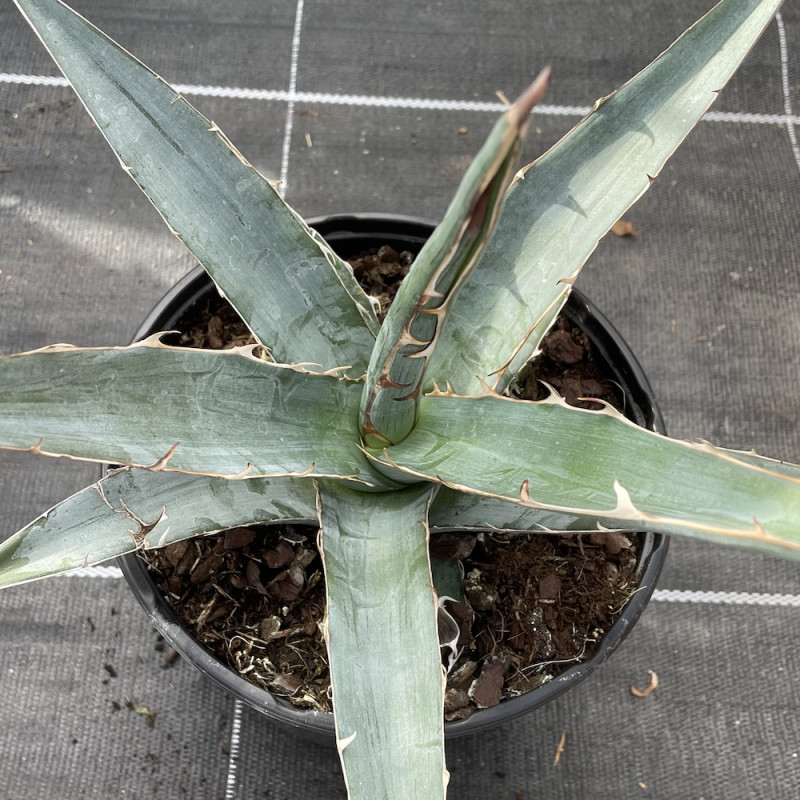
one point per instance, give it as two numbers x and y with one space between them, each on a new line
375 430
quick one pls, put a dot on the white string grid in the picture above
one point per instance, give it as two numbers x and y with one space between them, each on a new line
234 746
791 121
291 99
414 103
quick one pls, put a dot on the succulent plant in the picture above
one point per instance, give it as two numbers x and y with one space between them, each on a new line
378 431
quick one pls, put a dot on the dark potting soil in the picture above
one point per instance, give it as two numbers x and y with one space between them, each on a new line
536 604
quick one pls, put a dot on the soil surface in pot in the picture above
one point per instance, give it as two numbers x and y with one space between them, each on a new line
535 604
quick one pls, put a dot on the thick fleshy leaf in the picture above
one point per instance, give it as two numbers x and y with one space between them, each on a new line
416 317
224 413
383 645
297 296
134 508
137 509
596 464
562 204
462 511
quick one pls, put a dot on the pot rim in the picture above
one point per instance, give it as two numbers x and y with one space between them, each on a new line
341 230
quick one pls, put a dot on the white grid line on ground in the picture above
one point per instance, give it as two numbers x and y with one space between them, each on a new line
234 747
101 571
287 132
787 100
726 598
414 103
659 595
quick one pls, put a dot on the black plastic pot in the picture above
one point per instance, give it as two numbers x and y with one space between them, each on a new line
349 235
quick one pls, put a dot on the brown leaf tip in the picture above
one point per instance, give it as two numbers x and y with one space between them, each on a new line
531 96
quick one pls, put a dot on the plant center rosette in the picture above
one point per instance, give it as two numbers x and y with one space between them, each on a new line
519 610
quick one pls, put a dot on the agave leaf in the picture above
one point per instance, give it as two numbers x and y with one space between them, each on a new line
458 510
297 296
225 413
562 204
383 646
416 317
597 464
137 509
133 508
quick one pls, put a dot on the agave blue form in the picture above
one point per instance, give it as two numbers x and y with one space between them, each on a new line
377 431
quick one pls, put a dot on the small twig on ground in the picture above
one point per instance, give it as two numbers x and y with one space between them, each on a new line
560 749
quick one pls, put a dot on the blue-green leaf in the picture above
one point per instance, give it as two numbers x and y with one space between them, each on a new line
297 296
562 204
225 413
137 509
419 311
383 645
597 465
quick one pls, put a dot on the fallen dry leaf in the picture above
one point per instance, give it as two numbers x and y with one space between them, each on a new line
143 711
623 228
651 687
487 688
